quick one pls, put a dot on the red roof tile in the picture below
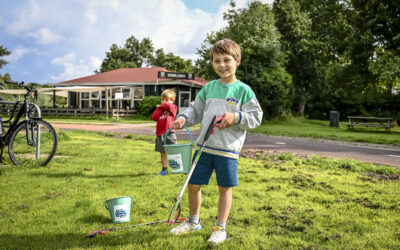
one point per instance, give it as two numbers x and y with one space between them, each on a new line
129 75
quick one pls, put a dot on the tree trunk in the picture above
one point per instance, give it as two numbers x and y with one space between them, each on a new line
302 103
390 88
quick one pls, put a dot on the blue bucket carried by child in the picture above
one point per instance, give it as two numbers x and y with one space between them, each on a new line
179 155
119 208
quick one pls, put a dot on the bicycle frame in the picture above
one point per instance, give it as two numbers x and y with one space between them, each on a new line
31 128
5 139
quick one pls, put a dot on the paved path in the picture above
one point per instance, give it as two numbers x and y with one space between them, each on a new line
378 154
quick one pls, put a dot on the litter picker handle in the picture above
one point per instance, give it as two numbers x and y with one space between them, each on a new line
209 129
199 152
176 207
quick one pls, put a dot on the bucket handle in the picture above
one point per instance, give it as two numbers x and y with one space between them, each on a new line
165 136
105 203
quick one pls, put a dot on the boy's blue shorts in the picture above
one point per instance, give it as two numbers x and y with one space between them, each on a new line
225 169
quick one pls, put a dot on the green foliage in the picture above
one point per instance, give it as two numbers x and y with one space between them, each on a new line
171 62
386 68
305 57
261 64
299 45
301 127
137 54
352 48
148 105
380 19
282 201
134 54
3 52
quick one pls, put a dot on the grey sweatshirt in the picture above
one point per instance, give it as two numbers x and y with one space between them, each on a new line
216 98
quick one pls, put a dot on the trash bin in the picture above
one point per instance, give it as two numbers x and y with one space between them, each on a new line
334 119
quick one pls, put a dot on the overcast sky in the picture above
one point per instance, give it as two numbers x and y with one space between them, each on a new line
58 40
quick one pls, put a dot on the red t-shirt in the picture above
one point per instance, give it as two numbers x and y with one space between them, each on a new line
164 115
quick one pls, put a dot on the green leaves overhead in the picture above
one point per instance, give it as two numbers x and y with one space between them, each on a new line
3 52
261 67
171 62
134 54
305 57
138 54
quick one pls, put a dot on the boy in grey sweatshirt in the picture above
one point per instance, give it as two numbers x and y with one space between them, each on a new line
238 105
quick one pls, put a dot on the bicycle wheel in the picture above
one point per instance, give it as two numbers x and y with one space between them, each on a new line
43 148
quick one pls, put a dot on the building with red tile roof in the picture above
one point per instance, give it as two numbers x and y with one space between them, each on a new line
134 84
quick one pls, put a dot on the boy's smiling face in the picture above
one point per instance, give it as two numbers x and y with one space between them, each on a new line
225 66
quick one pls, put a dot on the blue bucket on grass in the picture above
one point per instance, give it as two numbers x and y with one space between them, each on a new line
179 155
119 208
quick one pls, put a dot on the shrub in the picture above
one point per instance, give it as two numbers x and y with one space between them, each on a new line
148 105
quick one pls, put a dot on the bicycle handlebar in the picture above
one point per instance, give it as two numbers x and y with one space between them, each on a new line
21 84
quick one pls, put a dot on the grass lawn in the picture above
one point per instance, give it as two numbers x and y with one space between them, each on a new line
99 119
292 127
299 127
281 201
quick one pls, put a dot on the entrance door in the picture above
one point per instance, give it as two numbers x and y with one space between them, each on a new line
184 99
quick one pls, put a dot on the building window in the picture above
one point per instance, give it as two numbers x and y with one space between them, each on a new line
126 93
130 98
138 95
85 104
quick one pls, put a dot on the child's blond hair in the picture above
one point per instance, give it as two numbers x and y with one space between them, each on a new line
226 46
168 94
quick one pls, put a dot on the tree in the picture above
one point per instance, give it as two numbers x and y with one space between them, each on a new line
386 67
297 41
171 62
3 52
253 28
381 19
133 54
137 54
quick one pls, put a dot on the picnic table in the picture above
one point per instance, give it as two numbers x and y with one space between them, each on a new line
368 121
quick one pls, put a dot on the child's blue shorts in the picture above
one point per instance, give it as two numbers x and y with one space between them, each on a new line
225 169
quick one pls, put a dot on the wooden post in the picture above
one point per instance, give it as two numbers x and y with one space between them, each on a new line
54 98
106 90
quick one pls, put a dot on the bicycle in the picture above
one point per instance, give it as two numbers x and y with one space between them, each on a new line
32 140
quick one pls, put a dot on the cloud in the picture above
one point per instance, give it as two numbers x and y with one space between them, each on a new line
25 18
95 62
67 58
91 16
74 67
18 52
90 27
45 36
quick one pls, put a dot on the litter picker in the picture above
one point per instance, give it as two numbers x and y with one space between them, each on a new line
176 209
174 215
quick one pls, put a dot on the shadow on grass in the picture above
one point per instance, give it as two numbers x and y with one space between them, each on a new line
67 175
64 240
96 218
372 131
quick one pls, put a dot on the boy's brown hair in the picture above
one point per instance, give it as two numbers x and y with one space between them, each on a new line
168 94
226 46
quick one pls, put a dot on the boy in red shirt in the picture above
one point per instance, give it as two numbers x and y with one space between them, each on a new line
164 115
